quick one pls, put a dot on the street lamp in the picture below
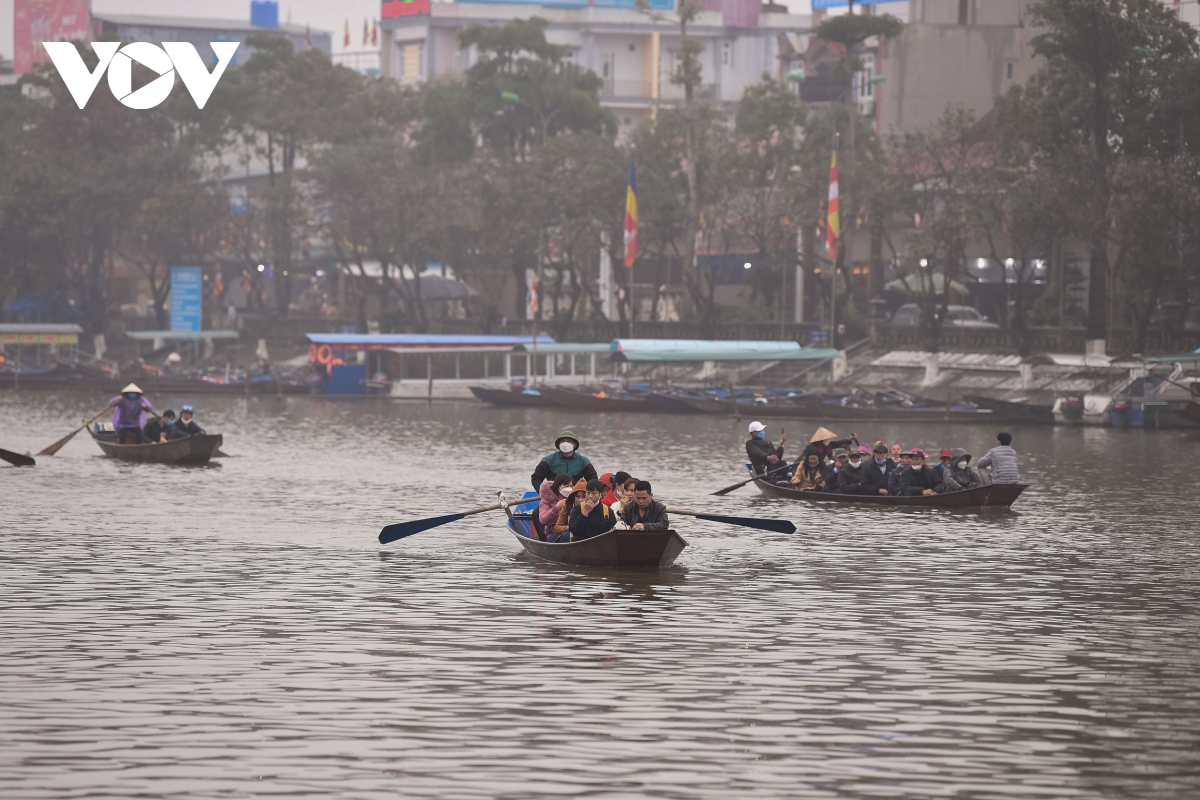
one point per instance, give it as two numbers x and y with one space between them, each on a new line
513 97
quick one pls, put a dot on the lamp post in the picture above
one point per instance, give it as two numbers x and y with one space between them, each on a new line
513 97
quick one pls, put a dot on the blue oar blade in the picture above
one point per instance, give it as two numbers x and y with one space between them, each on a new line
774 525
401 529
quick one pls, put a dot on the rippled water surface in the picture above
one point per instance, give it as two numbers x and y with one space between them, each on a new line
236 631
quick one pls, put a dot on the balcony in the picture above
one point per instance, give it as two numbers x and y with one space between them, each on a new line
641 90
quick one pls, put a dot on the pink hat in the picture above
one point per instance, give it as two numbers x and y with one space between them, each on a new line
862 448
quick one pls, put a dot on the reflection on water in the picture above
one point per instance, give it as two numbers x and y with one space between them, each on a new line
236 631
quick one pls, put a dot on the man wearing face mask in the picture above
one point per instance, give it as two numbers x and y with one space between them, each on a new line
763 455
565 458
850 476
959 475
876 469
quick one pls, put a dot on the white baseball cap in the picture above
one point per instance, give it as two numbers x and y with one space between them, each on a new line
755 427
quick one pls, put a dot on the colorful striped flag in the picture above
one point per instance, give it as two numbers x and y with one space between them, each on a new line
833 230
631 218
346 37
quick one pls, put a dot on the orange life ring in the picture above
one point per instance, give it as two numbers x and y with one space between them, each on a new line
324 354
312 353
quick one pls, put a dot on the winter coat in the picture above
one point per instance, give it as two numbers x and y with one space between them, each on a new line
809 479
955 479
576 466
758 450
654 519
875 477
1003 461
850 478
601 520
189 428
915 481
893 484
548 508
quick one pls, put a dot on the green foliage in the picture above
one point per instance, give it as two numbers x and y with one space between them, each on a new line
851 30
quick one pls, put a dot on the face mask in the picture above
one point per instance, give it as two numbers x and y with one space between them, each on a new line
854 462
565 491
131 396
761 434
962 464
881 461
567 448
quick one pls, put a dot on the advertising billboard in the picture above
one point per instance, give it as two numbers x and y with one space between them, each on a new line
185 298
37 21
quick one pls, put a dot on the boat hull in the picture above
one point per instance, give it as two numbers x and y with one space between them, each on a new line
657 549
996 495
192 450
510 399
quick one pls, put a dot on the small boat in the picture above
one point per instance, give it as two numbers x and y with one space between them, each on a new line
192 450
1187 409
1015 410
512 398
995 495
613 549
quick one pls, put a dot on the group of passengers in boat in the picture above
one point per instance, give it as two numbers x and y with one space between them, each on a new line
843 466
129 420
576 503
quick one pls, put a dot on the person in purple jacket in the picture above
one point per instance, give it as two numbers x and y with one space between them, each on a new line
130 415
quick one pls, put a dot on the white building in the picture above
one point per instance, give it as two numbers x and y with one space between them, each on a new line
633 52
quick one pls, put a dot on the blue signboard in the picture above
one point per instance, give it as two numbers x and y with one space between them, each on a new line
185 298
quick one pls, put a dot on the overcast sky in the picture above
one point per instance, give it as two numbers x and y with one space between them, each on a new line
320 14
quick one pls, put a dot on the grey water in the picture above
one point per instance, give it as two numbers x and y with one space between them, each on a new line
236 630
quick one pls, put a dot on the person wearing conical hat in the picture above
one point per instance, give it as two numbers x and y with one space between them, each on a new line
565 458
130 415
825 441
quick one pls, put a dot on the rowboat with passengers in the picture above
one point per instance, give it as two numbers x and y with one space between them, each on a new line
994 495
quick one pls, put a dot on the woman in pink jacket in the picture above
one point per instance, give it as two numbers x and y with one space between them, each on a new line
553 494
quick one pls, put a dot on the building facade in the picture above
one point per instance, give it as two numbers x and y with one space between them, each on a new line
634 53
201 32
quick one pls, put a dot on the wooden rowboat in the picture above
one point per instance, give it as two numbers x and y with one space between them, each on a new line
192 450
510 399
612 549
996 495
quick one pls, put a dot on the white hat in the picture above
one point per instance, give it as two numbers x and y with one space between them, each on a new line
756 426
133 387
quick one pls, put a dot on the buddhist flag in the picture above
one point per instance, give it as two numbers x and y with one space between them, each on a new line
374 34
631 218
833 230
346 36
366 32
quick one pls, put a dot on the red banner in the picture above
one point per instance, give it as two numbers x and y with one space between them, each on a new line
404 8
37 21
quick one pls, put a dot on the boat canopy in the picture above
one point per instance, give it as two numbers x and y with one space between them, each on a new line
424 342
672 350
181 336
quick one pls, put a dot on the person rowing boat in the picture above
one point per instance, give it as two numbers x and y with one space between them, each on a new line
565 458
130 415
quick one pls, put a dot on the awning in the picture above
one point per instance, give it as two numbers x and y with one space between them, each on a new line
398 342
675 350
181 336
566 348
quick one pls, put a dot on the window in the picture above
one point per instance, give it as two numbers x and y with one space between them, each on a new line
1009 68
863 88
727 53
410 60
964 12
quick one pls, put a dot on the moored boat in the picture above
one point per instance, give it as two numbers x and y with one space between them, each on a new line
617 548
191 450
512 399
995 495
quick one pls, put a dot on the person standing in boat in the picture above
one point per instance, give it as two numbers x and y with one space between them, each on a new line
645 513
959 475
187 425
130 415
565 458
763 455
590 517
1002 460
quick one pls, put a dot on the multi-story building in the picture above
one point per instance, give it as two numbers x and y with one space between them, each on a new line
200 32
633 52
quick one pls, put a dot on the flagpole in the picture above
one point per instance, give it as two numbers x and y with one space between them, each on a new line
833 272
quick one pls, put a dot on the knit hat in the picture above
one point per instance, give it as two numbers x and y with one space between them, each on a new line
822 435
864 450
567 435
580 487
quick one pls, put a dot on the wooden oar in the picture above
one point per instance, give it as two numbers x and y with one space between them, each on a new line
402 529
16 459
54 448
775 525
729 489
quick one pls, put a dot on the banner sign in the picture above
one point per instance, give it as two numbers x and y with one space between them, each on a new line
185 298
39 338
37 21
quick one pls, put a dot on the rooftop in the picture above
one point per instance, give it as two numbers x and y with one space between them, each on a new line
201 23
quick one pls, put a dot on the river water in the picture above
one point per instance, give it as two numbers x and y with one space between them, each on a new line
237 631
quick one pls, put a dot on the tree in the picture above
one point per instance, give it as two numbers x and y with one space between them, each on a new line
1100 98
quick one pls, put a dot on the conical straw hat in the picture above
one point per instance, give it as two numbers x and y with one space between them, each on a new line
133 387
822 434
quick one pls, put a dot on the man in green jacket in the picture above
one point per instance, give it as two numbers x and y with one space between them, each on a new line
565 458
